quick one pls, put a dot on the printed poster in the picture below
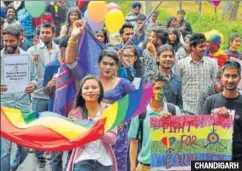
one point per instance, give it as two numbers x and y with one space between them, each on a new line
16 72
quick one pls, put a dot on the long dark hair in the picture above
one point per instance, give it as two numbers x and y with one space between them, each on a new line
177 42
70 11
137 64
80 102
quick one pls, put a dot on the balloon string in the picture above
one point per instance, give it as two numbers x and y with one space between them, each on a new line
144 22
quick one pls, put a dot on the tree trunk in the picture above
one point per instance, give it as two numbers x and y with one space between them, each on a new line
230 9
148 7
180 4
200 6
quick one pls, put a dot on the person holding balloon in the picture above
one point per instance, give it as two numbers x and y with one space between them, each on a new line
97 155
73 14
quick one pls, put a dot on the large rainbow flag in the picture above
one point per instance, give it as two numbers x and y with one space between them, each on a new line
50 131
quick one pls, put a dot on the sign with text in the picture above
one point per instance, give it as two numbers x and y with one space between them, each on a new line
16 72
177 140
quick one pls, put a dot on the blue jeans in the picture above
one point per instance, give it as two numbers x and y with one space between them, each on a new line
56 161
91 165
20 155
40 105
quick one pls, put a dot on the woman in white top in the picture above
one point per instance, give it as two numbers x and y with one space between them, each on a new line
97 155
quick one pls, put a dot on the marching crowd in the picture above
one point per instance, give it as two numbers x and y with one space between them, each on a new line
190 73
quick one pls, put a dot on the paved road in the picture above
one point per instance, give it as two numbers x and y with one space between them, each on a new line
30 163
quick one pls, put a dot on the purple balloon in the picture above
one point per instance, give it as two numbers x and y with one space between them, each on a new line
113 6
96 27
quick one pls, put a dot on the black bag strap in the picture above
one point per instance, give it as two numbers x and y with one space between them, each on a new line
140 128
171 108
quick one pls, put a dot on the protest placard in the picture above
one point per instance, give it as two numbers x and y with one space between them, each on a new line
16 72
177 140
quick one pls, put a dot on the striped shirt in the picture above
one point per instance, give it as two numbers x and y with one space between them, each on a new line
196 77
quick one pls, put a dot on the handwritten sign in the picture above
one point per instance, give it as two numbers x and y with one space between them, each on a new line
16 74
177 140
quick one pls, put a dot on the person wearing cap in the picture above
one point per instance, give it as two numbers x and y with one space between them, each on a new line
185 27
133 15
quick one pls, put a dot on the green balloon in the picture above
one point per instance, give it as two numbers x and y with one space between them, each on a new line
35 8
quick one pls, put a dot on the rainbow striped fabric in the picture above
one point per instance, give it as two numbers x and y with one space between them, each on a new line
49 131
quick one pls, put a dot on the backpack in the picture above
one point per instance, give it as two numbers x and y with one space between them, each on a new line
171 109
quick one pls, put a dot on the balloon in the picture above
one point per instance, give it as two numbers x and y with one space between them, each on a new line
215 3
97 10
94 26
113 6
35 8
114 20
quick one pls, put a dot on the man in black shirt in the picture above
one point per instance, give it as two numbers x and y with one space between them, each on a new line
229 101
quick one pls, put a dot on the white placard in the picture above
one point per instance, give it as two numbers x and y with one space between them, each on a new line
16 73
137 82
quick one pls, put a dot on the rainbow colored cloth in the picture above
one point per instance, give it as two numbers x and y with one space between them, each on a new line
48 131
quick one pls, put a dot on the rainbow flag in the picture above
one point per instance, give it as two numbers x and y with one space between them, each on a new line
87 61
48 131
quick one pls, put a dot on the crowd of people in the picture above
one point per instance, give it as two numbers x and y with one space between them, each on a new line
190 72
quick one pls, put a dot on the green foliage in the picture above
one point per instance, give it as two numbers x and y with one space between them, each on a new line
200 22
206 22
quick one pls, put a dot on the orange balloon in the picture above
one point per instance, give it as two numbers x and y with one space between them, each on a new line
97 10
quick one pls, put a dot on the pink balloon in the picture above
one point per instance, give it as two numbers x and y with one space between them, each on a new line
215 3
96 27
113 6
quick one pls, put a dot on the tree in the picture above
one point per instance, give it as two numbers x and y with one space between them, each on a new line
230 9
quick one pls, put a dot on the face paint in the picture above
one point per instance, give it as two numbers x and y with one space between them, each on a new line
158 91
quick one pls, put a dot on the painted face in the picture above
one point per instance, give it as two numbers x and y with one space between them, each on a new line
100 36
158 91
200 49
230 78
172 37
167 59
235 44
73 16
128 33
129 56
90 90
108 67
213 48
46 35
10 43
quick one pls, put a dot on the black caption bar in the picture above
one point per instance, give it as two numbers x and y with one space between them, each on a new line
216 166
